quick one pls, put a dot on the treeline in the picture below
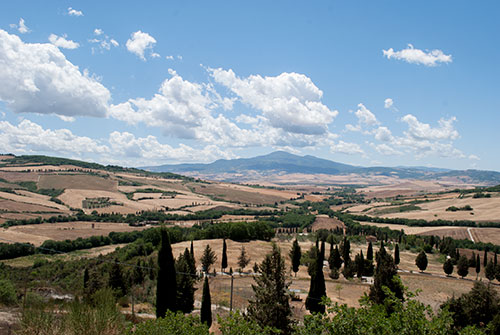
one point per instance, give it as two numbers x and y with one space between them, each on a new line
210 214
237 231
421 222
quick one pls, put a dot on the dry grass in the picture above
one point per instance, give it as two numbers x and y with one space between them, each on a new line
14 206
77 181
326 222
243 194
38 233
32 198
18 176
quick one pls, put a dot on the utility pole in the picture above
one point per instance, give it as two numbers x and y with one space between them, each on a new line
231 302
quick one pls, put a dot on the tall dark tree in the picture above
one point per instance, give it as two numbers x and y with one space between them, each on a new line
271 306
317 289
495 259
322 251
369 252
185 283
295 256
472 260
345 248
349 269
206 304
85 279
208 258
138 273
485 258
489 271
224 255
421 261
243 259
312 254
359 260
396 255
385 273
116 280
192 250
166 285
335 260
448 267
478 266
463 266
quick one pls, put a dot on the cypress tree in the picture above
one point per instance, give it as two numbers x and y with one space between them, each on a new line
349 268
472 260
396 254
360 264
185 283
166 284
322 252
271 306
495 259
336 260
317 289
369 253
224 255
478 266
243 259
489 271
448 267
463 266
385 272
206 304
295 256
421 261
116 281
192 249
85 279
485 258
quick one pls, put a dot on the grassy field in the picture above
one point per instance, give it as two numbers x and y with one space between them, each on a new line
77 181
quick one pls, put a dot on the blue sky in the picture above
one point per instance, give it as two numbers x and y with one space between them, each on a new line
361 82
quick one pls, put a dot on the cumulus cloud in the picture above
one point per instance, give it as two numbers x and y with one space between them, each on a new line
37 78
346 148
74 12
21 26
423 131
388 103
385 149
127 145
417 56
383 134
289 101
365 119
29 137
139 42
98 31
103 42
62 42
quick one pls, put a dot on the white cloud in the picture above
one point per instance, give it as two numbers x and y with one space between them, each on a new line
169 57
98 31
37 78
346 148
365 119
21 27
417 56
62 42
139 42
74 12
114 42
104 42
388 103
29 137
127 145
383 134
289 101
474 157
155 55
423 131
385 149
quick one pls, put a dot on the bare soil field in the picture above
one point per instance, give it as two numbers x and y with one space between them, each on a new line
14 206
243 194
18 176
484 209
32 198
406 187
74 198
326 222
60 231
77 181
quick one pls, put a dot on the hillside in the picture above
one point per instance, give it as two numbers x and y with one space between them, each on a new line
279 163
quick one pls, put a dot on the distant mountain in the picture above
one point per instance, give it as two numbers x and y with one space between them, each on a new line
280 162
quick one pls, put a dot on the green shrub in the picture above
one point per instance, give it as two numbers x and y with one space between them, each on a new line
173 324
7 293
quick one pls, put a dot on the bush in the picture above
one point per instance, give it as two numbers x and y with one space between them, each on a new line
8 294
172 323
